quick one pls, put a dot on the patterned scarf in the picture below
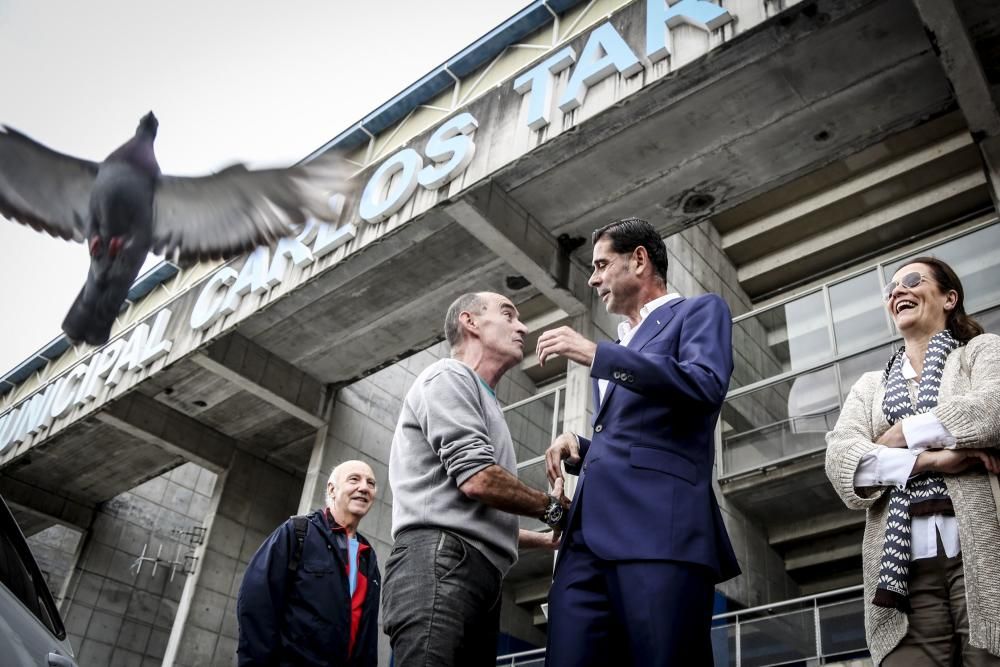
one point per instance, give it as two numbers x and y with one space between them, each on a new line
924 494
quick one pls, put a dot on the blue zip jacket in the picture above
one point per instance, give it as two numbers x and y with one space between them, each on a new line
307 616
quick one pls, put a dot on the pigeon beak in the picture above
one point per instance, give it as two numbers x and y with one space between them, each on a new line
148 123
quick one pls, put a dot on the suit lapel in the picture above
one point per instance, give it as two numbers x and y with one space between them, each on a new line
649 329
654 324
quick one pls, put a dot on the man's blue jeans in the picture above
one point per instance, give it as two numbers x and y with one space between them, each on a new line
440 601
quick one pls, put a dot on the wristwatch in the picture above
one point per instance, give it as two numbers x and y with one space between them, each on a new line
554 513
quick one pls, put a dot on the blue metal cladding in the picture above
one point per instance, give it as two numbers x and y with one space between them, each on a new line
352 137
482 51
158 275
34 363
492 44
393 111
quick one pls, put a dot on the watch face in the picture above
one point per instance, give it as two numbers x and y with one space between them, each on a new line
554 513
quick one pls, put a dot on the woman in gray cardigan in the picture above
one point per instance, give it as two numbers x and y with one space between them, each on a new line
915 446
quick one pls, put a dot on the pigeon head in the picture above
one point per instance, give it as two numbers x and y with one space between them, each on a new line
138 151
148 125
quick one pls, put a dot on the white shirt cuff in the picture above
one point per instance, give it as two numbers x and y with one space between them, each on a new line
885 466
925 431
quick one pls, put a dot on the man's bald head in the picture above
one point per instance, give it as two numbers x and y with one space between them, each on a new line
342 469
350 492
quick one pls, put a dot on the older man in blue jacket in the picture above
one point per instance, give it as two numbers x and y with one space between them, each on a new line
310 594
645 543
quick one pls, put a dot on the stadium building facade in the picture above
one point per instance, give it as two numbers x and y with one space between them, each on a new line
792 154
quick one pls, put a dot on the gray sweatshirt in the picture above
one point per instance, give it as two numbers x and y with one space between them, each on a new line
450 428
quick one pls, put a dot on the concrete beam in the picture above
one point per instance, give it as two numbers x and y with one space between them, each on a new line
500 224
820 556
954 47
255 370
546 320
766 226
747 485
49 507
536 326
814 527
820 243
533 591
990 149
950 40
391 334
831 583
153 422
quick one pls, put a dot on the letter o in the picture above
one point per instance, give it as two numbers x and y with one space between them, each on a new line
376 208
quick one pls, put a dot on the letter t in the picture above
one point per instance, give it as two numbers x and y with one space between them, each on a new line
537 83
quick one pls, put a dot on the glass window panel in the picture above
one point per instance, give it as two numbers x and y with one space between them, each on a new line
808 332
859 319
989 320
842 628
533 474
976 261
785 419
778 639
530 426
786 337
853 368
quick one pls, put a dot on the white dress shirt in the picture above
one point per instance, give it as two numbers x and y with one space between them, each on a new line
892 466
626 332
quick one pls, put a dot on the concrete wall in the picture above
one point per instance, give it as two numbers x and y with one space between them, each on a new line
699 265
56 550
250 500
114 615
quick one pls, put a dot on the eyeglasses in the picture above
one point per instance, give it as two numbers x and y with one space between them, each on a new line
909 281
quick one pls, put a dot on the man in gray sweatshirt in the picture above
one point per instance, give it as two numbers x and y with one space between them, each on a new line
456 496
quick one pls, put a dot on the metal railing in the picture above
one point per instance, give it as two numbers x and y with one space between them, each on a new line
532 658
779 441
813 630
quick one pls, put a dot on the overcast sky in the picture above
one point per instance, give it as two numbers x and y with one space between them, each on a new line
251 80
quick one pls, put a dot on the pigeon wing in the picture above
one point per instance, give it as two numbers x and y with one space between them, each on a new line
237 209
44 189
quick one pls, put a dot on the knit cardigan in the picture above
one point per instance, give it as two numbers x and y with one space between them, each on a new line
969 407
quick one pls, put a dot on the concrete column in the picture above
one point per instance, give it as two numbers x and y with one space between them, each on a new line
318 472
578 405
698 264
251 498
72 563
954 46
990 150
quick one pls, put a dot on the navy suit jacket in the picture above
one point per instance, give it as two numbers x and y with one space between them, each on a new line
646 476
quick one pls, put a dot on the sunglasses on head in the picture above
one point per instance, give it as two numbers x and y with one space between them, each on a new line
909 281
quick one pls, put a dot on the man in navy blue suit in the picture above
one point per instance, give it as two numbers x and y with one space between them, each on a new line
645 543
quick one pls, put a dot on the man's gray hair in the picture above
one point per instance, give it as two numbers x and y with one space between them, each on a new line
471 302
335 473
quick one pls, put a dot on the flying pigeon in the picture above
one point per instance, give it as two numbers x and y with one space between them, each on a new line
123 208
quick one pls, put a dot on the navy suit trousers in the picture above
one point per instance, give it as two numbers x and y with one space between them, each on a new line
605 613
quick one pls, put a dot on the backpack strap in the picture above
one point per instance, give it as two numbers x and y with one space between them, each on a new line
301 525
